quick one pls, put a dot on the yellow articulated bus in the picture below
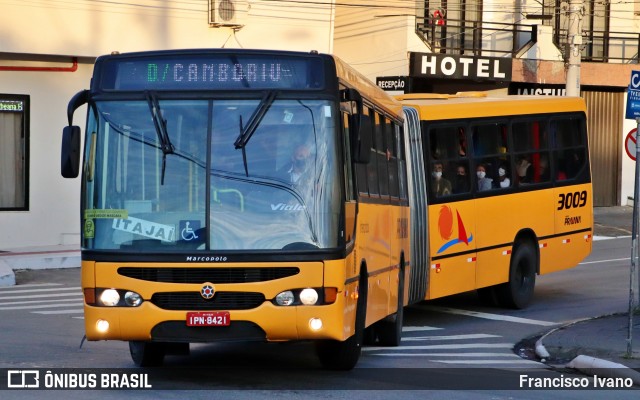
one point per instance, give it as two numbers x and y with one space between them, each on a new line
240 195
500 191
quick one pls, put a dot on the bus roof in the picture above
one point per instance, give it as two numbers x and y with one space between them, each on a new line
367 88
434 106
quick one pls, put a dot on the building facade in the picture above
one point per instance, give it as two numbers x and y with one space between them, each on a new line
49 46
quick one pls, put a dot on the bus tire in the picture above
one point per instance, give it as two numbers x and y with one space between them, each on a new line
147 354
518 291
344 355
389 330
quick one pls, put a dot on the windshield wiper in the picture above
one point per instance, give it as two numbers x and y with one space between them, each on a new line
247 131
161 129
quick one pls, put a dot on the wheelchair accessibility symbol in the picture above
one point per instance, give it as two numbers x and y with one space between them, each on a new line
188 229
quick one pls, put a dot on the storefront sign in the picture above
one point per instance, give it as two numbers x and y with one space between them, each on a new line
392 83
537 89
451 66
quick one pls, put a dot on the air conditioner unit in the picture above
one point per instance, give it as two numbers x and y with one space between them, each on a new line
227 12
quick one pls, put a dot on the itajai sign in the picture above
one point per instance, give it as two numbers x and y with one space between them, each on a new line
451 66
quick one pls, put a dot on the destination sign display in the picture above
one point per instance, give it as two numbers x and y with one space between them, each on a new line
212 72
11 105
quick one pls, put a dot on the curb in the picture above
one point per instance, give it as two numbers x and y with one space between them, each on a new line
7 277
590 365
608 369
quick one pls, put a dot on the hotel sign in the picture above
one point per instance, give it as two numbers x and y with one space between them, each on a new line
452 66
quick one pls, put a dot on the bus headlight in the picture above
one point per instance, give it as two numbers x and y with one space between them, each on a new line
317 296
308 296
110 297
285 298
117 298
132 299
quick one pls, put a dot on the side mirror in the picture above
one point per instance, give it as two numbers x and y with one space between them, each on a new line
360 124
70 155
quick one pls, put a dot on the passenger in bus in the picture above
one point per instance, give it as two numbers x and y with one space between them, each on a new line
503 178
525 173
461 182
462 148
484 183
439 186
543 174
573 163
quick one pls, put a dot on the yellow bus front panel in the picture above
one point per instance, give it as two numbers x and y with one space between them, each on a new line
275 322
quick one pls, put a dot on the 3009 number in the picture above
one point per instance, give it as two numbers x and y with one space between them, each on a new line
572 200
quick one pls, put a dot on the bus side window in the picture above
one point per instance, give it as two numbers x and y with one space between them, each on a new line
402 165
392 157
382 155
570 144
489 139
350 197
372 167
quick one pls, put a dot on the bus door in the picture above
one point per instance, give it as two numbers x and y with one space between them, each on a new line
453 248
451 209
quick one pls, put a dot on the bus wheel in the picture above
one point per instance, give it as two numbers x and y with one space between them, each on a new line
518 292
344 355
147 354
389 330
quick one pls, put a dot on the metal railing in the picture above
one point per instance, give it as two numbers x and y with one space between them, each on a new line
601 46
480 38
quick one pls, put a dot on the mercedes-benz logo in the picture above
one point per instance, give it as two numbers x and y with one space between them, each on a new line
207 291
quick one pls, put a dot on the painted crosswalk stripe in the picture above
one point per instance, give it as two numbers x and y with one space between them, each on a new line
77 288
473 355
419 328
445 346
36 306
28 285
74 311
451 337
496 317
17 303
484 362
40 296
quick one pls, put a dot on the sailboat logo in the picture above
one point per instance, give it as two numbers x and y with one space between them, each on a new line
445 227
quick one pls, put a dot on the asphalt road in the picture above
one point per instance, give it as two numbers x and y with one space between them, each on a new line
454 342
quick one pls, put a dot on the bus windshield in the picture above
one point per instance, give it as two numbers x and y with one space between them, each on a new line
174 174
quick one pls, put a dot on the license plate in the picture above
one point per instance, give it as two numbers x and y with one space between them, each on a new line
219 318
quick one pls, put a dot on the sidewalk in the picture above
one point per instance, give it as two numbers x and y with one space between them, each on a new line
46 257
598 346
594 345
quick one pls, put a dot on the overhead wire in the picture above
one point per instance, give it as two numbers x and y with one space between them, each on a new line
298 12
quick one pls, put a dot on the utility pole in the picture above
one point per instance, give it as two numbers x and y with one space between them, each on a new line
574 44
